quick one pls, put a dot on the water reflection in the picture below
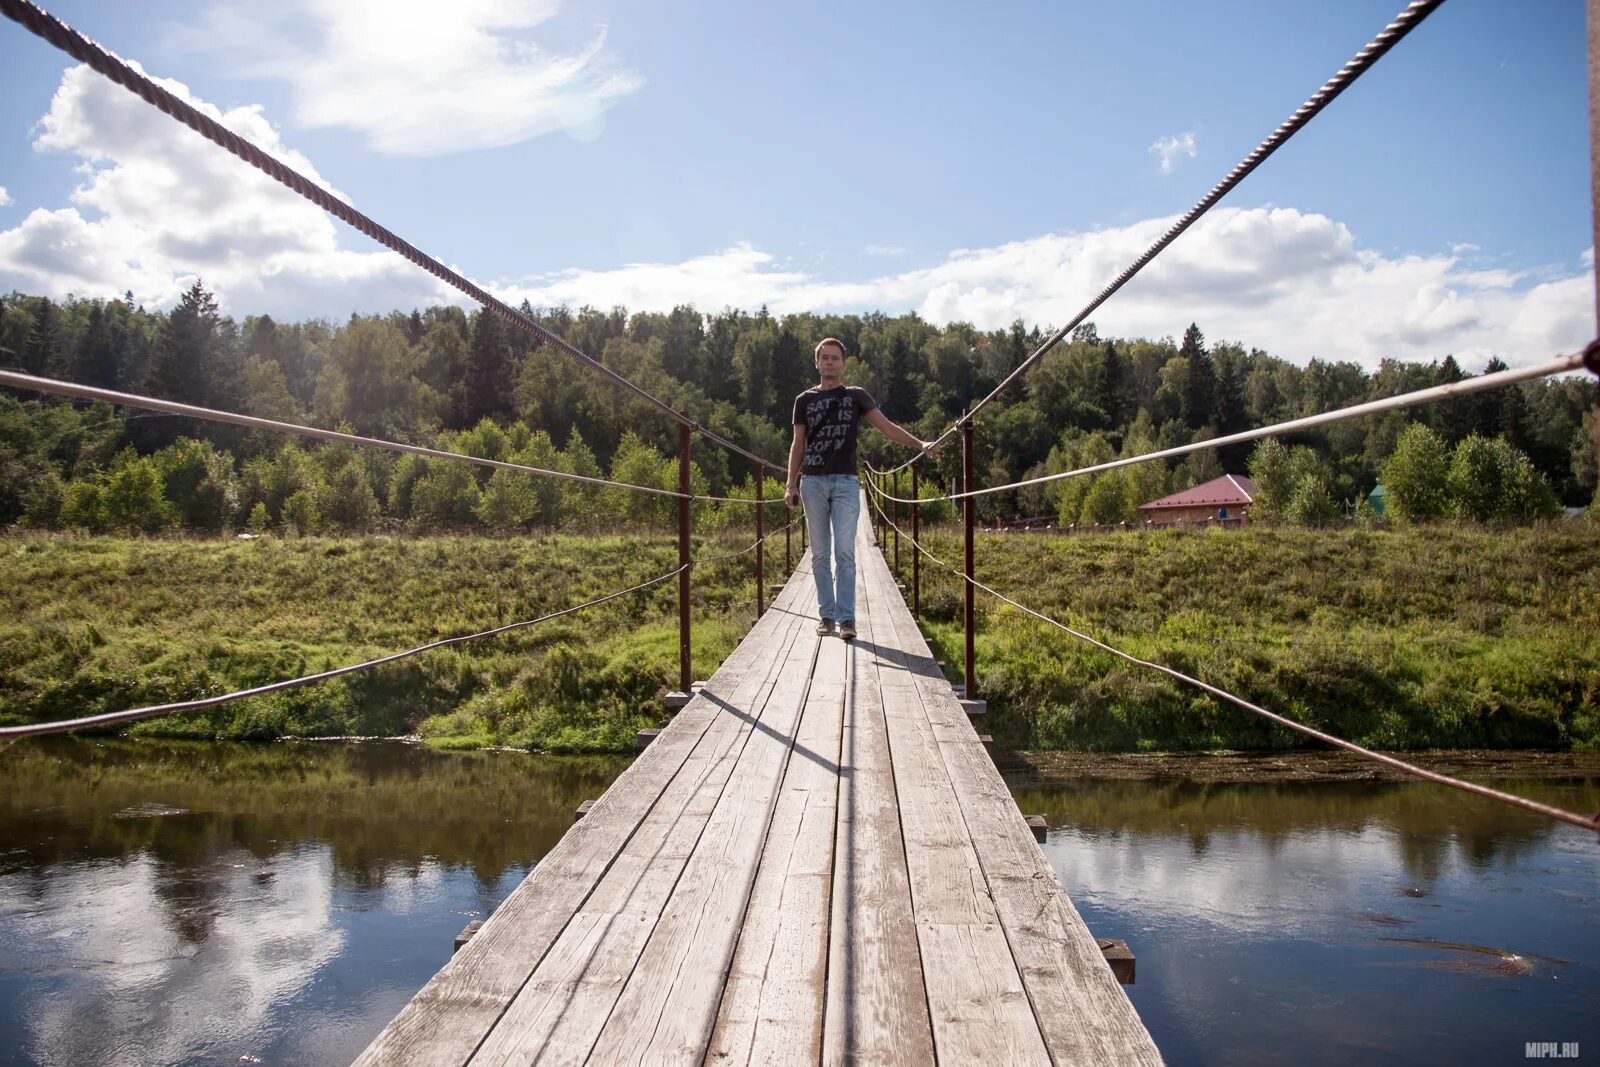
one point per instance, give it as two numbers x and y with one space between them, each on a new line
199 903
196 903
1331 922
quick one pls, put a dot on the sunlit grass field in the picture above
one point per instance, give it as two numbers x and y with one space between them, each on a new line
89 625
1447 636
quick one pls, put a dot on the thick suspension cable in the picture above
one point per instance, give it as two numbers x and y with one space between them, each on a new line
172 407
53 30
153 711
1430 395
1591 823
1363 60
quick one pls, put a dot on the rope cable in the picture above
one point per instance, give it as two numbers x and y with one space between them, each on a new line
172 407
1431 394
1363 60
1560 814
41 23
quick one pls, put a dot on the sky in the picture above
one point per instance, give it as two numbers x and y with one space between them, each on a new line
978 163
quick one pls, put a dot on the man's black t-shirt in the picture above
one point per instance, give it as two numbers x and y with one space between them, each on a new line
831 418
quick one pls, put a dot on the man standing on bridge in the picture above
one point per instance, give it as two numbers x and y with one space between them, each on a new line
822 470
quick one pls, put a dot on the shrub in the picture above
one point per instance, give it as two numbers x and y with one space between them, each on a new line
1417 476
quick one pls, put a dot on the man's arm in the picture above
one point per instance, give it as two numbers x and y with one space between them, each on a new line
797 450
895 433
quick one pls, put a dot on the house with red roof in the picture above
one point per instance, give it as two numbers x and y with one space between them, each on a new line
1229 496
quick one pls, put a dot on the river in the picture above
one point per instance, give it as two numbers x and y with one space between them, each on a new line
197 903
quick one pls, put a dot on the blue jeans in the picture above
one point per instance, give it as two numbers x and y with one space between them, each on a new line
833 505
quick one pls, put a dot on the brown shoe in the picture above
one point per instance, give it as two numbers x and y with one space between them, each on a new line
847 629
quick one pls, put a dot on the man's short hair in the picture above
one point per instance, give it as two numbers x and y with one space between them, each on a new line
829 341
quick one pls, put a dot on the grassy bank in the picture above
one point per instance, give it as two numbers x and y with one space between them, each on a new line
89 625
1443 637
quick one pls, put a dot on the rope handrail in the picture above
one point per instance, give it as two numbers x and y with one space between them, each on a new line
157 710
1431 394
54 387
51 29
1363 60
1591 823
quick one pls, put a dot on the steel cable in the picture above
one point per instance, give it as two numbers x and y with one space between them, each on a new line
1561 814
1363 60
54 31
54 387
1430 395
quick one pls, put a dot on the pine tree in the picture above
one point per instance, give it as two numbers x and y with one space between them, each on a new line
489 372
1114 400
96 360
1200 391
42 353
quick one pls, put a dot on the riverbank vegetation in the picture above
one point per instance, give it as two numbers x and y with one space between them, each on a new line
96 624
1417 636
1435 636
468 383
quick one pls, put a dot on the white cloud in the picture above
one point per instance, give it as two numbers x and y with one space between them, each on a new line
1294 283
1170 148
5 197
158 206
413 83
159 996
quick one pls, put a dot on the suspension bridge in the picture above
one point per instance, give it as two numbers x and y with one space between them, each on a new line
815 860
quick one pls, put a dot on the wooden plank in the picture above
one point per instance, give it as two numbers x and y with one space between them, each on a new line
771 1010
668 1006
557 1015
976 1000
877 1008
448 1018
1083 1014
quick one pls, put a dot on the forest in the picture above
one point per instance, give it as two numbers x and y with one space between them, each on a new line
469 383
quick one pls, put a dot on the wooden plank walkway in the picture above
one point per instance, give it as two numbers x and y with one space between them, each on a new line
815 862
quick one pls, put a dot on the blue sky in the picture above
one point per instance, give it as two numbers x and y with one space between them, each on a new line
968 163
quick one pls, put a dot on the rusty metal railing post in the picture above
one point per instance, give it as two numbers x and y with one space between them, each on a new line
916 556
761 536
967 509
788 549
896 506
685 662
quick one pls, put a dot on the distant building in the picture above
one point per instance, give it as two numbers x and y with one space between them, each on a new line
1227 497
1378 499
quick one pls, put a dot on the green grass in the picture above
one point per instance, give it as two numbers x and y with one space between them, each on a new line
1449 637
90 625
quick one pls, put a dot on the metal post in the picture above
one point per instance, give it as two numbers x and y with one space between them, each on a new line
685 663
967 509
916 556
896 507
1593 359
788 550
761 535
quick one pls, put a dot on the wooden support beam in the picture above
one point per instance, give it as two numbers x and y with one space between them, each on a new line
466 935
1119 956
583 809
1040 828
642 741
